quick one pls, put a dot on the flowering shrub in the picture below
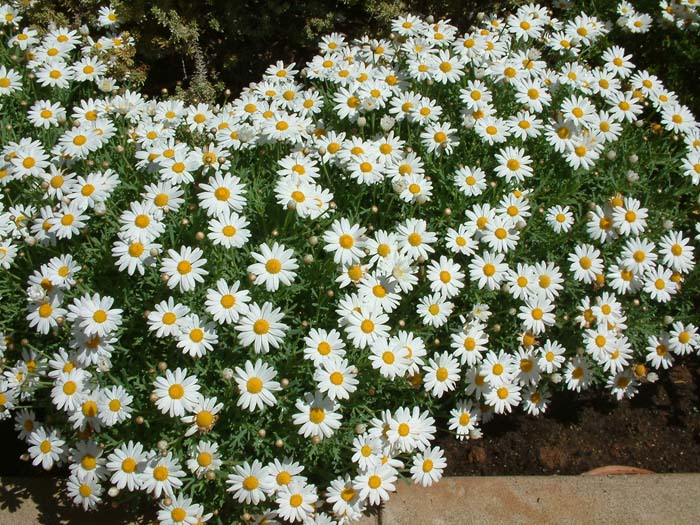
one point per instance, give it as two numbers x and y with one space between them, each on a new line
271 305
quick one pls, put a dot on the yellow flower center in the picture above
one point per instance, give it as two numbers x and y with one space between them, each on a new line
367 326
261 326
273 266
374 481
176 391
100 316
129 465
337 378
204 459
317 415
254 385
196 335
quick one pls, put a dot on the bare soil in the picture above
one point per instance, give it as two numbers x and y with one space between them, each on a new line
658 430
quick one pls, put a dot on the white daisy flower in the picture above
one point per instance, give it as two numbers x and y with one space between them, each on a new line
184 269
317 416
162 476
256 385
261 328
176 393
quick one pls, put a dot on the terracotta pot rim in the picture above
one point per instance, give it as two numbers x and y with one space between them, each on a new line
616 470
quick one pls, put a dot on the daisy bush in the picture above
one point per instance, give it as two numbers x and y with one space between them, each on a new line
272 307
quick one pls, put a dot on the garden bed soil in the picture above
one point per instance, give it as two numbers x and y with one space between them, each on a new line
658 430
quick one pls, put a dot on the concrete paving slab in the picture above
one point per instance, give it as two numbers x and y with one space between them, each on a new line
640 499
667 499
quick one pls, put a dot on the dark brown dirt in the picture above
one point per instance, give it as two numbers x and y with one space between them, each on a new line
658 430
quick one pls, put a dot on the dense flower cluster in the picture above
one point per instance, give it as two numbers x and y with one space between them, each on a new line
682 14
432 225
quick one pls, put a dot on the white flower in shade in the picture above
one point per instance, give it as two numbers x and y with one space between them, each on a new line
336 378
247 483
176 393
256 385
535 399
578 374
261 328
45 447
226 303
428 466
463 419
180 511
622 385
127 463
162 476
441 374
375 484
203 415
274 265
87 461
184 269
84 492
658 353
296 501
317 416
